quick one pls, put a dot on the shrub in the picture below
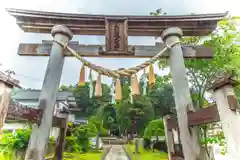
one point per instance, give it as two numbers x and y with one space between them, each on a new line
154 128
15 143
79 139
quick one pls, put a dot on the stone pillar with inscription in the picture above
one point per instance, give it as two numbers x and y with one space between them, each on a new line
183 101
228 108
40 135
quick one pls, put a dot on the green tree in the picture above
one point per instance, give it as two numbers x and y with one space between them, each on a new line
226 53
161 95
107 113
89 105
154 128
80 138
224 42
158 12
141 111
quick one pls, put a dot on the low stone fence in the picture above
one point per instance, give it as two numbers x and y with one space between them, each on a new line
113 141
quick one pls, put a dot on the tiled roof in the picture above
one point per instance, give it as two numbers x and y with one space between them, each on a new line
9 80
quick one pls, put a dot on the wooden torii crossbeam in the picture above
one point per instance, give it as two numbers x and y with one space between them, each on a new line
138 51
116 29
83 24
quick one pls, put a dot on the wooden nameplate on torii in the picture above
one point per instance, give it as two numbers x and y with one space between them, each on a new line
116 36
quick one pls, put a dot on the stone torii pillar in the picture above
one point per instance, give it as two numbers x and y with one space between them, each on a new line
228 108
40 135
183 101
6 85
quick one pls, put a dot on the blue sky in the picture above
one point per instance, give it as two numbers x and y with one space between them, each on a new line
30 70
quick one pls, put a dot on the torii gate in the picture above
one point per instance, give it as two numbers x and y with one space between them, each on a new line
116 29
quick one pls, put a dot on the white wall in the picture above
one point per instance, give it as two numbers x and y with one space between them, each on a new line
29 103
13 126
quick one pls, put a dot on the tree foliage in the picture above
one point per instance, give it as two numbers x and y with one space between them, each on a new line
89 105
79 140
13 143
154 128
226 53
161 95
141 110
224 42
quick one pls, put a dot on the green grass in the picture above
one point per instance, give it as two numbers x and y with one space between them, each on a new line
84 156
144 154
73 156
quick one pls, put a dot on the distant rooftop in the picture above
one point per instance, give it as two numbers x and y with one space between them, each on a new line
9 80
34 95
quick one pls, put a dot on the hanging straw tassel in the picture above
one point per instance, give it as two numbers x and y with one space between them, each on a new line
118 90
151 76
98 87
144 86
90 84
113 101
81 81
135 86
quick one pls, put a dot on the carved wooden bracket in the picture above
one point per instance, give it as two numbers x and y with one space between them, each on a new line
116 36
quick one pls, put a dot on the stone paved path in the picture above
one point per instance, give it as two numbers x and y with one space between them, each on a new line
116 153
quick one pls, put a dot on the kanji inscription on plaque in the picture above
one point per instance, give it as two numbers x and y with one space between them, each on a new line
116 36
